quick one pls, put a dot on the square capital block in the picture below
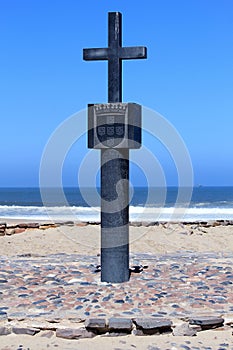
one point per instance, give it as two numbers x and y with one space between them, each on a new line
114 125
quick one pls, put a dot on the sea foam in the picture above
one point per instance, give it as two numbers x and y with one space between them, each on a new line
136 213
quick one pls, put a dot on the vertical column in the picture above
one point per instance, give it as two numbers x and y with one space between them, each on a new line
114 215
114 178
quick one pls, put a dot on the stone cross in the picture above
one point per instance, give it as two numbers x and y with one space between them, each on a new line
115 53
114 159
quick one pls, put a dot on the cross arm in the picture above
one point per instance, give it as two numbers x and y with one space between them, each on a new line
133 52
95 54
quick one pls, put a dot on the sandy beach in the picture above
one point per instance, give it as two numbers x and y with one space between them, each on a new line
183 260
79 238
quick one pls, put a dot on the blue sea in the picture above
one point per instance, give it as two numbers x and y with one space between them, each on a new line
154 204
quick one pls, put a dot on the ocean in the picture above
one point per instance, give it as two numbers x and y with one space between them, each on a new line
154 204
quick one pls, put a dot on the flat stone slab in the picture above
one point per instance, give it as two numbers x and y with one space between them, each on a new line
25 330
206 322
120 324
74 333
96 325
5 330
152 325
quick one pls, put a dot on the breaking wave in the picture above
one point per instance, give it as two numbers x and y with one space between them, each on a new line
136 213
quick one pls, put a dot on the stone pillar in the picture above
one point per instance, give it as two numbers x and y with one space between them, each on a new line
114 215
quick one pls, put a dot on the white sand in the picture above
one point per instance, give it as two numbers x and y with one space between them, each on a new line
212 338
86 240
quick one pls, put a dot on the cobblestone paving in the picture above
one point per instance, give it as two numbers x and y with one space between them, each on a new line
68 287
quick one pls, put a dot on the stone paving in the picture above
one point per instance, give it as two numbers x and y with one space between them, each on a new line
68 287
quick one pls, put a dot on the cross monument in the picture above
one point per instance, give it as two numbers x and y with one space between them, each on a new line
114 127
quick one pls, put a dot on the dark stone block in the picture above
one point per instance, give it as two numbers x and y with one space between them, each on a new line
122 325
96 325
206 322
153 326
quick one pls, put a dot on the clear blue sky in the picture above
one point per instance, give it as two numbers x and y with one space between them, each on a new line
188 77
